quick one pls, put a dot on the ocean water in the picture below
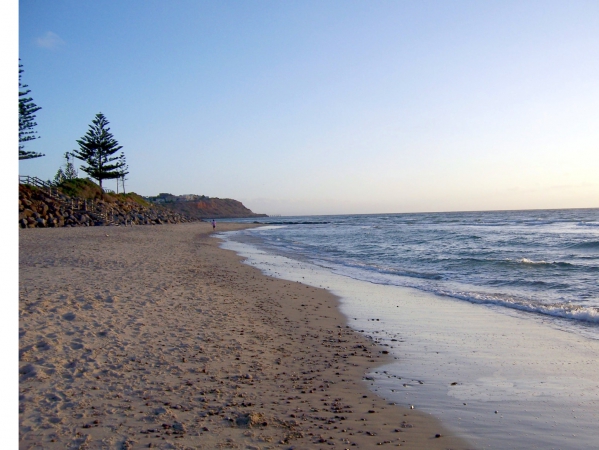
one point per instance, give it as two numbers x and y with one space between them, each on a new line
543 262
491 318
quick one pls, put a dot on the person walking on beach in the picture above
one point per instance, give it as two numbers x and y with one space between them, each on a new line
213 224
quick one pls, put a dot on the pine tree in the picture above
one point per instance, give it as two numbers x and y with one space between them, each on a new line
96 149
70 172
123 171
59 177
27 110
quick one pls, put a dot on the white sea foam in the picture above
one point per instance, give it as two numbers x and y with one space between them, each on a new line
589 314
530 261
565 311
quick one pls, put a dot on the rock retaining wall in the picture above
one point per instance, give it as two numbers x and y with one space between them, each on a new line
39 209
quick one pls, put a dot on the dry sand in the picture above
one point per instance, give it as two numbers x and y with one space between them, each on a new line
155 337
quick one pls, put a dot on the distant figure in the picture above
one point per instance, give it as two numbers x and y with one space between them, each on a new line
213 224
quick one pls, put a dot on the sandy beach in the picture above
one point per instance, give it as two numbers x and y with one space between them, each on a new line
155 337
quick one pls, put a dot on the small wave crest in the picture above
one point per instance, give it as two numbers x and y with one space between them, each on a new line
565 311
530 261
560 310
378 269
592 245
544 263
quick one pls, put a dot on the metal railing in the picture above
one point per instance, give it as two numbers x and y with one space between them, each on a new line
35 181
89 206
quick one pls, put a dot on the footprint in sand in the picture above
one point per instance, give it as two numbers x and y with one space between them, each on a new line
27 371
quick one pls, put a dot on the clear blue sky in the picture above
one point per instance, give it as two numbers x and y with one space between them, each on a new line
326 107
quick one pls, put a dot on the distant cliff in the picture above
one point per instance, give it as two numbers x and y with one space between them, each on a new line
202 207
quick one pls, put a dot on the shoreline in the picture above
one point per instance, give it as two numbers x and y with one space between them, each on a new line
127 330
497 378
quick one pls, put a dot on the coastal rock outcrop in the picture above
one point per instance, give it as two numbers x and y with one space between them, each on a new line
203 207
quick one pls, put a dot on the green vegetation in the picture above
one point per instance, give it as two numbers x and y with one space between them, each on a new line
133 197
86 188
27 110
97 148
81 187
69 173
123 173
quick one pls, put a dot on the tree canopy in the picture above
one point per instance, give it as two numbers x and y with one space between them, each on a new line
97 148
27 110
123 172
69 172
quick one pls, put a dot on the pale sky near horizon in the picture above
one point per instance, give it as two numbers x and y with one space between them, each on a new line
327 107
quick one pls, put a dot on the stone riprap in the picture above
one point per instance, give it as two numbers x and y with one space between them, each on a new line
39 208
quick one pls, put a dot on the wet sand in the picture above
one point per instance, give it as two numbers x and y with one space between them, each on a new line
156 337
